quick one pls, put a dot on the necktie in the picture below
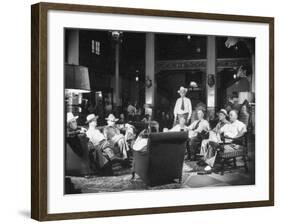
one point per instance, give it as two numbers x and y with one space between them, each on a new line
196 126
182 104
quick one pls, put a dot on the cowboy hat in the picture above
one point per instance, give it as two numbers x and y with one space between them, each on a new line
111 117
91 117
182 89
223 111
70 117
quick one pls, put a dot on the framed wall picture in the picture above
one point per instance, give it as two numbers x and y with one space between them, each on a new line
138 111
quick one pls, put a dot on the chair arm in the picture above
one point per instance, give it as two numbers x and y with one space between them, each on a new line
238 141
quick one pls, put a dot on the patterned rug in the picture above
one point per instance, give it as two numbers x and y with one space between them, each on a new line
122 180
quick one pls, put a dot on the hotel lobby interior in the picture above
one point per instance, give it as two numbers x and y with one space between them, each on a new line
134 78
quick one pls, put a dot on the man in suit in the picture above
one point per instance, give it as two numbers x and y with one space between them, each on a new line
196 129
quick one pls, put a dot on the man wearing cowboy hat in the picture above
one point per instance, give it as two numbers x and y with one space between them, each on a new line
72 127
208 146
183 106
94 134
222 114
100 149
111 122
112 134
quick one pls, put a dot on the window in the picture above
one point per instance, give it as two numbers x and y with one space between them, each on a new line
96 47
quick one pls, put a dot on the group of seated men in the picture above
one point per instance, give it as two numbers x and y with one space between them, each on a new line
109 144
205 141
105 145
208 141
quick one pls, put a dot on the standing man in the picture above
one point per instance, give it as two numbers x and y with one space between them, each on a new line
183 107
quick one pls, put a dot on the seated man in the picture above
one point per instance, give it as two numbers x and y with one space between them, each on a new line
207 151
111 122
101 151
179 127
152 124
230 132
72 127
94 134
130 134
112 131
73 132
141 142
120 146
196 130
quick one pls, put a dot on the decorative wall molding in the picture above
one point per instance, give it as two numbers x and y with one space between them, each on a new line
199 64
167 65
223 63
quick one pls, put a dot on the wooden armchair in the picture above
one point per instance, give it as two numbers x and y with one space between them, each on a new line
224 157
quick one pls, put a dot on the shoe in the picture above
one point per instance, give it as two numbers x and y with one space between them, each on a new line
204 172
188 168
208 168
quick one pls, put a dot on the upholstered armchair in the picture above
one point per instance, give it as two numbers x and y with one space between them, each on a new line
77 156
162 162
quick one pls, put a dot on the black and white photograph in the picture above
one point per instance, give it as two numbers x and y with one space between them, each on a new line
156 111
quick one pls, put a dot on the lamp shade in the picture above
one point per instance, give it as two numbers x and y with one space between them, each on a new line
76 78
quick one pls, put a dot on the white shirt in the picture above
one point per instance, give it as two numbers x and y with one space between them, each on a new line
202 126
187 107
140 144
95 136
234 130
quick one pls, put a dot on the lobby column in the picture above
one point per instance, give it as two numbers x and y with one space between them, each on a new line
73 47
117 91
211 74
150 68
253 63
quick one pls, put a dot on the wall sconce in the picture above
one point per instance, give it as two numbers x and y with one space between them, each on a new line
211 80
148 82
